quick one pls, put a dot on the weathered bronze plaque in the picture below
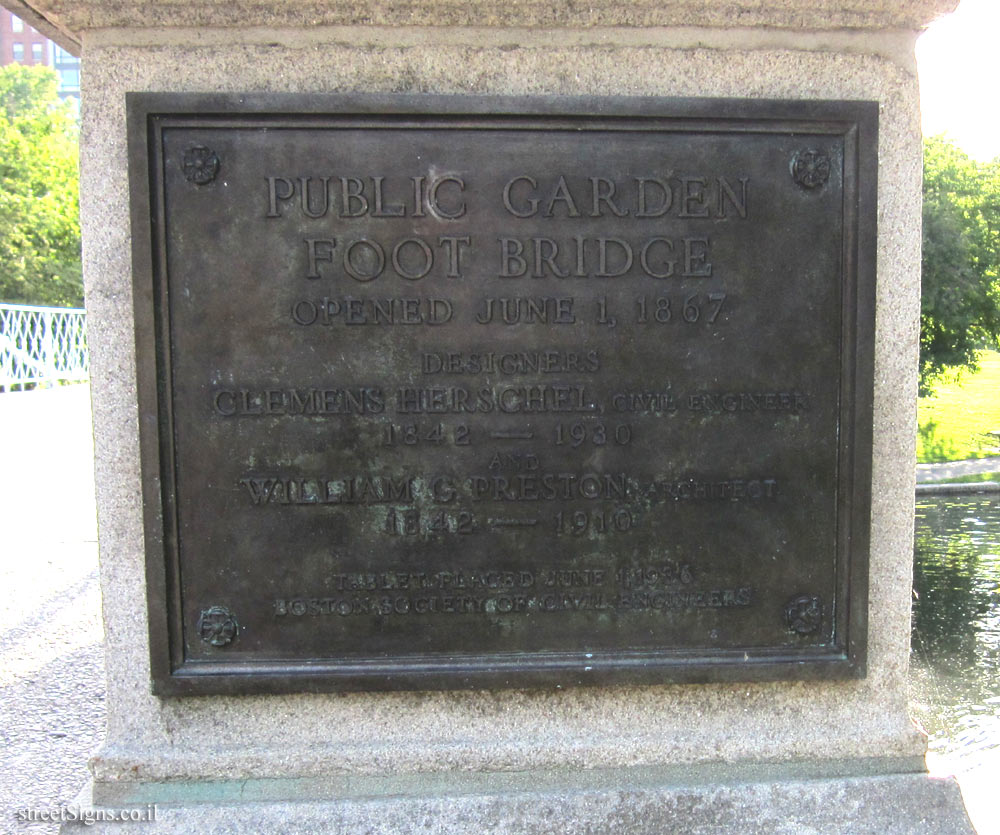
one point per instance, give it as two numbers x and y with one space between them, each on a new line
448 393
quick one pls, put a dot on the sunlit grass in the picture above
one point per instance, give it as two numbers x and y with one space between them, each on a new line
955 423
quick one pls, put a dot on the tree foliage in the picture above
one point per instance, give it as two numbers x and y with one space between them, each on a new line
39 191
960 307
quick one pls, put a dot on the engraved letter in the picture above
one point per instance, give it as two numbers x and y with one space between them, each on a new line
669 264
439 311
421 271
273 196
532 202
695 253
580 257
642 207
602 257
541 244
432 197
384 211
487 314
510 254
229 408
442 490
739 203
418 196
304 312
307 200
352 190
562 193
693 197
454 253
607 196
377 266
315 255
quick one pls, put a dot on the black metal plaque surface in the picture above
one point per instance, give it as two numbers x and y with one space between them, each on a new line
447 393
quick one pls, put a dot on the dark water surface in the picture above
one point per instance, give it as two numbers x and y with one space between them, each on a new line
955 660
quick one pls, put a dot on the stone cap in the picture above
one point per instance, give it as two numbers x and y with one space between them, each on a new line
67 21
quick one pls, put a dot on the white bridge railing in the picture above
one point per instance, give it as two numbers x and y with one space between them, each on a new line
40 345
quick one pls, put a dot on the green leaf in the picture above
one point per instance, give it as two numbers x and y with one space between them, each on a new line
960 303
39 191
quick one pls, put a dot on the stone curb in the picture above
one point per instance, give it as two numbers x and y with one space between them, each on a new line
969 488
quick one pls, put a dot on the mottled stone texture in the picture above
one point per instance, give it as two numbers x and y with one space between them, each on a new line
80 15
907 804
434 736
294 735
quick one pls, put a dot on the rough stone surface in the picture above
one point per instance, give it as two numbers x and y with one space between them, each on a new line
291 735
78 16
909 804
435 736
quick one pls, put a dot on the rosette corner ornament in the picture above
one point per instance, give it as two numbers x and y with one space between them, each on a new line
804 614
810 169
201 165
217 626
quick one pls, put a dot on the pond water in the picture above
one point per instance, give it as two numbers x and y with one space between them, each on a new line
955 660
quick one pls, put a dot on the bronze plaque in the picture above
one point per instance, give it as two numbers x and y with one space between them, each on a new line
474 392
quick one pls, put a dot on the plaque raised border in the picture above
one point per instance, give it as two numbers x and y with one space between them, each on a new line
173 673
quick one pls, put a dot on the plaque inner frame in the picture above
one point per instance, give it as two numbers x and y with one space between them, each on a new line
192 642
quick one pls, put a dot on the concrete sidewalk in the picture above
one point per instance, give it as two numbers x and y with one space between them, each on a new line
52 681
957 469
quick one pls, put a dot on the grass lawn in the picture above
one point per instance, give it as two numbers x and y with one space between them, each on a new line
953 424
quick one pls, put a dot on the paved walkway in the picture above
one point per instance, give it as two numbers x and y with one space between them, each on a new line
957 469
52 683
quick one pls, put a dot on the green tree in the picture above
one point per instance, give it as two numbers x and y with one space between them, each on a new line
960 307
39 191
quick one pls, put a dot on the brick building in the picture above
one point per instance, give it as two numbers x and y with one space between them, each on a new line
21 43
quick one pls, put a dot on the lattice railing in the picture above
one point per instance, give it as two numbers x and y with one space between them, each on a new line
41 345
